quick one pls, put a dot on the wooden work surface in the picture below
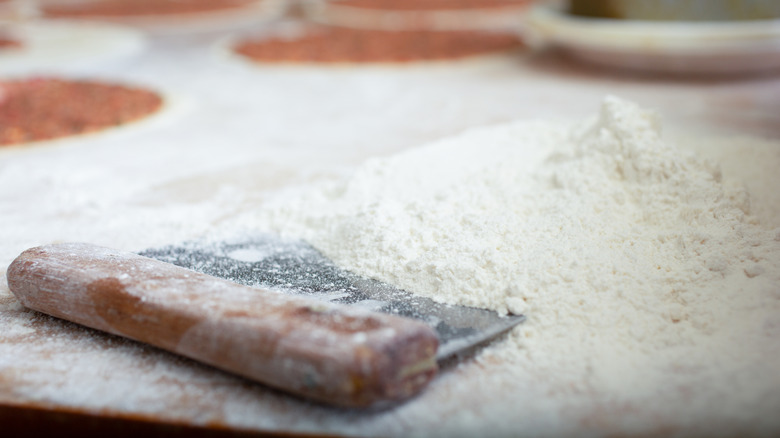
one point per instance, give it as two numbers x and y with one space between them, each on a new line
232 134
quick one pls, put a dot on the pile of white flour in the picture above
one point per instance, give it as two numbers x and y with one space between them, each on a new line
639 268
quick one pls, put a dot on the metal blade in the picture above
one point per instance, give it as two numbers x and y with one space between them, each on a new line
295 267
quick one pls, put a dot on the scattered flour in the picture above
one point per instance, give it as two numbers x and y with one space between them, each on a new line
640 270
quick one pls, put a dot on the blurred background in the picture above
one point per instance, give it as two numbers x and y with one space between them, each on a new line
137 123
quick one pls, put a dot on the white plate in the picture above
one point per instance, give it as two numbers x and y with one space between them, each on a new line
661 46
53 46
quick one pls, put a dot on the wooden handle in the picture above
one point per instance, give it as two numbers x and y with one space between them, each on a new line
332 353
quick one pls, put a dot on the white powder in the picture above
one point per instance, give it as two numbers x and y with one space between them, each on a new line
641 272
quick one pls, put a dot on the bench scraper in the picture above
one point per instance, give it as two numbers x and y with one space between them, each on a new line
273 310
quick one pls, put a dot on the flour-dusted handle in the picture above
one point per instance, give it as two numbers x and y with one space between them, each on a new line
332 353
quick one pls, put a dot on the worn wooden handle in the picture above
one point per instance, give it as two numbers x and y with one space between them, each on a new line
332 353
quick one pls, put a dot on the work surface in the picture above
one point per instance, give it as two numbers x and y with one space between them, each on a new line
231 135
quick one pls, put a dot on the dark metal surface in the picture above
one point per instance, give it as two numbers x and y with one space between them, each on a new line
294 267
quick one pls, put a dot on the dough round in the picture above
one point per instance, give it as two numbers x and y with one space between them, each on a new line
332 45
420 14
46 108
170 16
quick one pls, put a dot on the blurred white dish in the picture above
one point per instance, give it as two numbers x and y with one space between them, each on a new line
732 47
52 46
